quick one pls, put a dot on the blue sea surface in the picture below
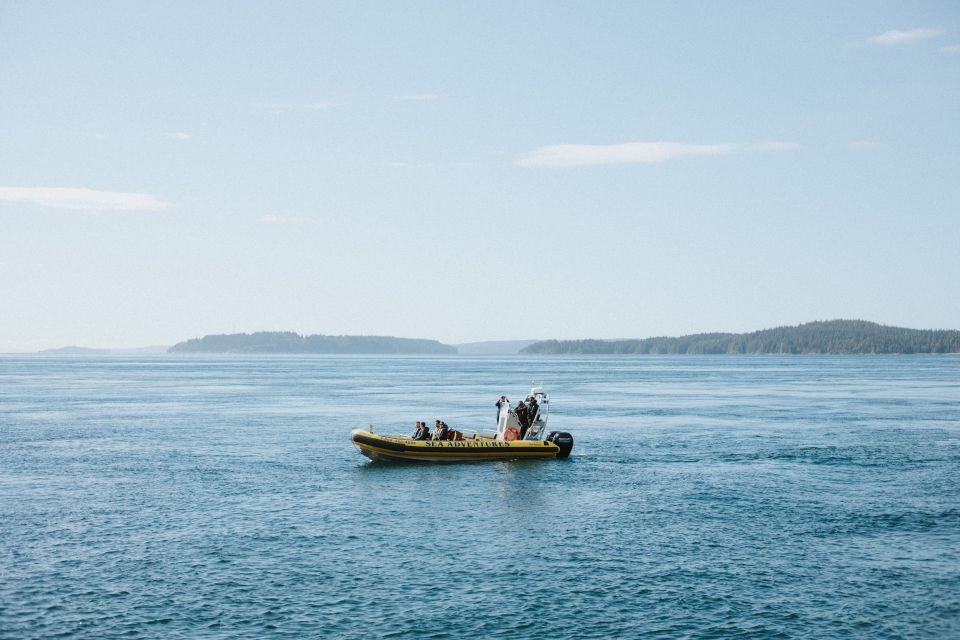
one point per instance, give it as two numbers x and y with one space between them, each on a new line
706 497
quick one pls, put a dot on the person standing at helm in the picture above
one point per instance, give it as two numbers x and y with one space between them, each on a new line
522 418
533 407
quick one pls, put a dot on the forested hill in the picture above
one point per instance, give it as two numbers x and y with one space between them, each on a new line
290 342
832 337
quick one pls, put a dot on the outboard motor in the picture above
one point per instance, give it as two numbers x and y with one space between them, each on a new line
563 440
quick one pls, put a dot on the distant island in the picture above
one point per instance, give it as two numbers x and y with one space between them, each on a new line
290 342
74 351
87 351
493 347
829 337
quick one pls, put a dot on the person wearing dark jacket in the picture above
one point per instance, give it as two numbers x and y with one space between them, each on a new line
533 407
440 430
423 433
523 418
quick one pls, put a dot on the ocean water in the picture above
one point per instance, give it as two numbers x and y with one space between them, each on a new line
706 497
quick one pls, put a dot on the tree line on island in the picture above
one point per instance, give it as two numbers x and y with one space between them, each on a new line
290 342
829 337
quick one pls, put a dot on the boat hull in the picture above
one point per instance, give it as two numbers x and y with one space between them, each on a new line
400 448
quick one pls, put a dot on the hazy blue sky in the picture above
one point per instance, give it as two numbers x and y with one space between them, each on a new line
470 171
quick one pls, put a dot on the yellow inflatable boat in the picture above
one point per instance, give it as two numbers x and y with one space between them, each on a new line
394 448
519 436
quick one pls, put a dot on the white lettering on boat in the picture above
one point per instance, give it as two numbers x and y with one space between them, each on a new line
465 443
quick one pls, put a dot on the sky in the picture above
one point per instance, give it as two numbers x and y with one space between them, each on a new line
471 171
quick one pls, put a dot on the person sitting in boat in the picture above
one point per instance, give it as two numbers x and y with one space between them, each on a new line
440 430
423 432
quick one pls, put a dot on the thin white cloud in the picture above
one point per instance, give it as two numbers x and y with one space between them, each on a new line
178 135
951 48
863 145
418 97
82 199
895 38
577 155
